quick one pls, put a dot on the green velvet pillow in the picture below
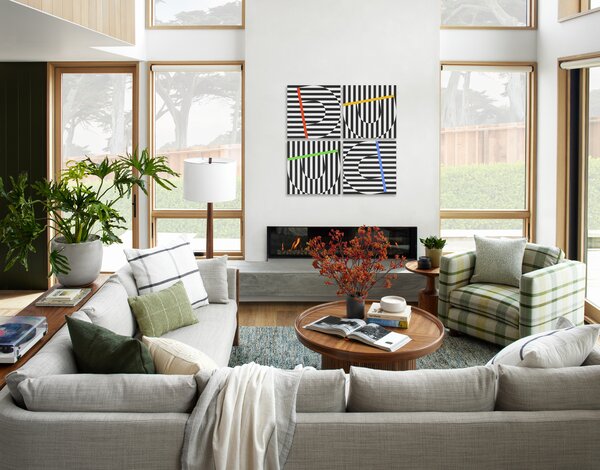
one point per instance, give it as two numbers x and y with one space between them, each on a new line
101 351
163 311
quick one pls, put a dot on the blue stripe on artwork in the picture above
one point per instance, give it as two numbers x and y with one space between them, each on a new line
381 166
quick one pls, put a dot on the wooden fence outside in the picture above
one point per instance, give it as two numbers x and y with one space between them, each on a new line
504 143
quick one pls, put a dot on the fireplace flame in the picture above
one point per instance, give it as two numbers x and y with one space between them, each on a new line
296 243
282 248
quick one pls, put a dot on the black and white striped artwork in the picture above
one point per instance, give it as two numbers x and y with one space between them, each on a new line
369 111
369 167
314 167
313 112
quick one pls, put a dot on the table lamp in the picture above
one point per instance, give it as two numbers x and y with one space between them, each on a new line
209 180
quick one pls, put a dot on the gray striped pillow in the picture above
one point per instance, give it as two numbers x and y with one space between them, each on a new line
155 269
567 347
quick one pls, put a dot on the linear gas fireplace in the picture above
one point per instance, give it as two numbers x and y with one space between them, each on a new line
290 242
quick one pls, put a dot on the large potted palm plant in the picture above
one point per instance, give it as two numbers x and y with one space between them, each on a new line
80 207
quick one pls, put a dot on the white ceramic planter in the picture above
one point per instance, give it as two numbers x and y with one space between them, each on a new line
85 261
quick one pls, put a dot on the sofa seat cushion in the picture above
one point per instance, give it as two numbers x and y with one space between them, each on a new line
214 332
496 301
569 388
109 308
121 393
451 390
55 357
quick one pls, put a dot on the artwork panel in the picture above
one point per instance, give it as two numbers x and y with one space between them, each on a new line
369 112
314 112
314 167
369 167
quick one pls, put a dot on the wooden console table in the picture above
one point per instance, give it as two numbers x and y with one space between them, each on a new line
56 320
428 297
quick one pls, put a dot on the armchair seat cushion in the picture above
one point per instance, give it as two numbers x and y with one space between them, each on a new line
496 301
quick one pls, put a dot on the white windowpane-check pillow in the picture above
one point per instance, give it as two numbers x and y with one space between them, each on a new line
157 268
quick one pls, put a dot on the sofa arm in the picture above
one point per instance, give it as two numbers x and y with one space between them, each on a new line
233 283
455 271
549 293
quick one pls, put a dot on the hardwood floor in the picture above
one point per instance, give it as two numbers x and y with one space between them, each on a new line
251 313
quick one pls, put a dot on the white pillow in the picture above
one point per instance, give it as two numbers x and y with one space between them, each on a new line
568 347
173 357
155 269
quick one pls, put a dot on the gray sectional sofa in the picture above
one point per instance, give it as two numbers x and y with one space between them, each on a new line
479 417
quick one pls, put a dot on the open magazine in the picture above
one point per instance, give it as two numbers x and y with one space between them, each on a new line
359 330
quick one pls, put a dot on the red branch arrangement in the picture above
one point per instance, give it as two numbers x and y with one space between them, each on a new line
353 265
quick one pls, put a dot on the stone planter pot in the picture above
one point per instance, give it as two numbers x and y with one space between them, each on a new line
435 254
85 261
355 307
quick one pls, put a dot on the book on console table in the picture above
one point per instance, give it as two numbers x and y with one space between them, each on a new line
397 320
359 330
63 298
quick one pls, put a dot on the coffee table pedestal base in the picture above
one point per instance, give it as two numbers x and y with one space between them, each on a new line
331 363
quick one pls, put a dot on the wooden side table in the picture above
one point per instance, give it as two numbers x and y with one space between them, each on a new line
56 319
428 297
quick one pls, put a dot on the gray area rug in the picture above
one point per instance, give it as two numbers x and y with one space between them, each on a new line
278 346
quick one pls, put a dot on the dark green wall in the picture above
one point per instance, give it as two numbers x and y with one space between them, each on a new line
23 114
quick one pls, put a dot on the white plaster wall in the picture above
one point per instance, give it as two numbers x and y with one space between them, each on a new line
555 40
341 42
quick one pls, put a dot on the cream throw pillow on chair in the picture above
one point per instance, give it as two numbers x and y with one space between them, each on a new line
173 357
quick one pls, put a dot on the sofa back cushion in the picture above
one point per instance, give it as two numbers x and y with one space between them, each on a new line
109 308
121 393
214 276
56 357
569 388
594 358
538 257
451 390
322 391
125 275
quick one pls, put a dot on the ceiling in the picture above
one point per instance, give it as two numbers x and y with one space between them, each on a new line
29 35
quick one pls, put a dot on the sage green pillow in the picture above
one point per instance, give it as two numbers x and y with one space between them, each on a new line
164 311
499 260
98 350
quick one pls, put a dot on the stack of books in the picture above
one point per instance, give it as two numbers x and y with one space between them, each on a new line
63 298
395 320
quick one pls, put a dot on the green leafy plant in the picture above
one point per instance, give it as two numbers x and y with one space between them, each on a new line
433 243
80 205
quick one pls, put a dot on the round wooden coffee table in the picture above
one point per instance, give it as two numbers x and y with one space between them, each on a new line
426 331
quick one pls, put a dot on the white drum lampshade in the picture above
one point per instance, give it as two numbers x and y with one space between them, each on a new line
209 179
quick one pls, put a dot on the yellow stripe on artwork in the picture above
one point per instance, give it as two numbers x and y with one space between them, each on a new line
351 103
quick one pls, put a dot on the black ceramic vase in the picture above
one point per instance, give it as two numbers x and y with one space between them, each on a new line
355 307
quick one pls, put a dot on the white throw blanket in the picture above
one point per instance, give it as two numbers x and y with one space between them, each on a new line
244 419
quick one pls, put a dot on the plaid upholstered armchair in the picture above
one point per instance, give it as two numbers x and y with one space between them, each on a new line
551 287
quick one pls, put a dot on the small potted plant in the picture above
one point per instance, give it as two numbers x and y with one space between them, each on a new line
80 206
433 249
354 265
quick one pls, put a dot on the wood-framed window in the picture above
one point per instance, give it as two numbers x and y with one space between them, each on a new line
569 9
578 171
487 151
493 14
96 106
191 14
197 110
